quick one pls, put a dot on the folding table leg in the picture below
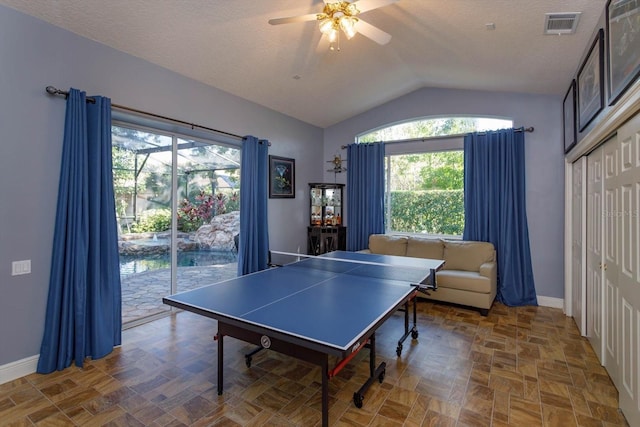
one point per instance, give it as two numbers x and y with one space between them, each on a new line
325 392
249 356
376 373
414 330
220 362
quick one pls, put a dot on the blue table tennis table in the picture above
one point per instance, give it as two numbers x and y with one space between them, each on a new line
315 308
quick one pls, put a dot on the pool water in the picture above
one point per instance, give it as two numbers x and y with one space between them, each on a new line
132 264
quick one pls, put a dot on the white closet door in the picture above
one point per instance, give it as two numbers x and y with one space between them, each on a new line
628 290
611 248
594 253
578 247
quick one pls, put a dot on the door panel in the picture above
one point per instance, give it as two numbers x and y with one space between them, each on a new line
578 246
594 253
612 261
628 281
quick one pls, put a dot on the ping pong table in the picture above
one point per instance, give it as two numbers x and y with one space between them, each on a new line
315 308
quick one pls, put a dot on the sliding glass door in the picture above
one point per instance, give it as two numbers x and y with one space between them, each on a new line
177 209
208 214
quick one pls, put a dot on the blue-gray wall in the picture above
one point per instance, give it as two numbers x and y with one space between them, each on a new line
33 55
544 157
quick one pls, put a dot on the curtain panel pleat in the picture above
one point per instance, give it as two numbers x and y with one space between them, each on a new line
496 211
253 250
83 317
365 194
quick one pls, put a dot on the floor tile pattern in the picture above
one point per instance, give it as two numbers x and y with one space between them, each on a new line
525 366
142 292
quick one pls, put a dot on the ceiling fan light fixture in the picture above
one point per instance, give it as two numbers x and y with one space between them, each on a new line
351 9
338 16
325 24
342 16
329 27
348 25
333 35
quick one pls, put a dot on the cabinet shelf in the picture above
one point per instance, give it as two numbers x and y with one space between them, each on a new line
326 232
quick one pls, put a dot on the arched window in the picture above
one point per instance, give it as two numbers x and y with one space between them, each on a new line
425 170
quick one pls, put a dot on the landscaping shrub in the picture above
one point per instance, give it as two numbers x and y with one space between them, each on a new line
153 220
430 211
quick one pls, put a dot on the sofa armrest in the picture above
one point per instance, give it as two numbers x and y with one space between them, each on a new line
489 270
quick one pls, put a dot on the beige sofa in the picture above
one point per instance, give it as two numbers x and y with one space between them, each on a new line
469 275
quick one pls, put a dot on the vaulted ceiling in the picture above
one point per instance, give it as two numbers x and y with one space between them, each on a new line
435 43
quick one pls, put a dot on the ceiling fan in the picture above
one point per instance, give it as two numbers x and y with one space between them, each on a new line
343 15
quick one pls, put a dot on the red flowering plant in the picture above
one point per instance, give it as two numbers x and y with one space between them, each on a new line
191 215
232 203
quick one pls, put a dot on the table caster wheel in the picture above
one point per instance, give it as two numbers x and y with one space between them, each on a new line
399 350
381 376
414 334
357 400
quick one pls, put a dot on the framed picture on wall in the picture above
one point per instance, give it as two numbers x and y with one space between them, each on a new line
569 117
590 83
282 178
623 54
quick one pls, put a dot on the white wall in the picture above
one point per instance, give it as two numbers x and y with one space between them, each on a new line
33 55
544 158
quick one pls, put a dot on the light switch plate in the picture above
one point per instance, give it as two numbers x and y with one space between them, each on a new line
21 267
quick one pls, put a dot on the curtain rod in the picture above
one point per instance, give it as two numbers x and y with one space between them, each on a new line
459 135
53 91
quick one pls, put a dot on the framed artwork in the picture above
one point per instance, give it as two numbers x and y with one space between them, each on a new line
590 83
569 117
282 178
623 36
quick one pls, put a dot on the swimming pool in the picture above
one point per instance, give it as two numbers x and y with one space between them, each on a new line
132 264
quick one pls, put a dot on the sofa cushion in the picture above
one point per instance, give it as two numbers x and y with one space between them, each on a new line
464 281
388 245
425 248
467 255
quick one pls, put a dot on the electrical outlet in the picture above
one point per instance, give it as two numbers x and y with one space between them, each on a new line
20 267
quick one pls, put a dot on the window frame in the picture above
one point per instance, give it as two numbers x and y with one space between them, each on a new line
427 144
424 146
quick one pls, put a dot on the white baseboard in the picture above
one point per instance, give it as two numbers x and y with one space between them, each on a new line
550 302
19 368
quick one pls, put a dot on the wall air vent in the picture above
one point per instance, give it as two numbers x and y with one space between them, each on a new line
561 23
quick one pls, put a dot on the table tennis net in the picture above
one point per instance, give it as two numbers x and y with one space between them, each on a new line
402 273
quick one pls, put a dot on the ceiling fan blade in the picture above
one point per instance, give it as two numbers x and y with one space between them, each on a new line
366 5
374 33
292 19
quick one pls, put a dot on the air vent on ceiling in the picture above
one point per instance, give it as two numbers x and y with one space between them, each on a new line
561 23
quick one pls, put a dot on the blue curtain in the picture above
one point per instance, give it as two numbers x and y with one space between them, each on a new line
365 193
496 211
83 317
253 251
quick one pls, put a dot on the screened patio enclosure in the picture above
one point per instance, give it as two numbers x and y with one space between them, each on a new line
177 202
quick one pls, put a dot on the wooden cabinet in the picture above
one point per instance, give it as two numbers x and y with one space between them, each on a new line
326 204
326 239
326 232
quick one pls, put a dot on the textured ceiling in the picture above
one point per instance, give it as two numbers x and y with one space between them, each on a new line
435 43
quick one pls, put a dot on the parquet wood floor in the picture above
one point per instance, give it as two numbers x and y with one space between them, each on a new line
524 366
